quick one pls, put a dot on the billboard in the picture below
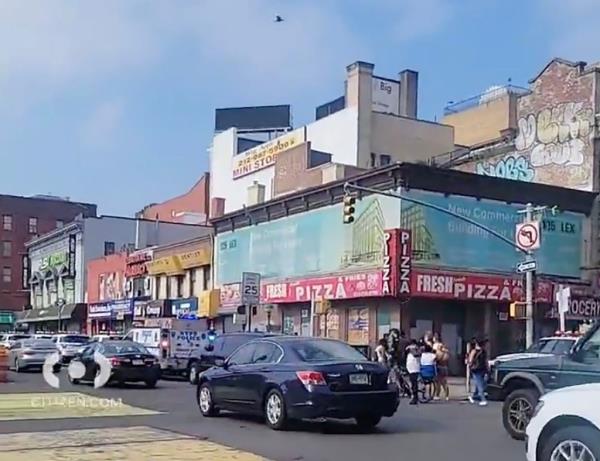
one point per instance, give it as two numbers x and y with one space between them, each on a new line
309 244
441 240
259 118
385 96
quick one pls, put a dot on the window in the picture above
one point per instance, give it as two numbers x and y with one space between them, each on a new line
180 281
266 353
193 282
60 224
373 160
7 222
324 350
7 249
33 225
243 356
206 275
109 248
6 274
385 159
228 344
563 347
590 350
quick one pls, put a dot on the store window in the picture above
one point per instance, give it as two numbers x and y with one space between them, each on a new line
7 249
180 280
193 278
33 225
7 274
206 275
7 222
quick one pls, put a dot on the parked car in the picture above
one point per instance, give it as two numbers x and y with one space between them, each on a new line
42 336
30 353
9 338
101 338
287 378
203 358
521 382
69 345
130 362
566 425
552 345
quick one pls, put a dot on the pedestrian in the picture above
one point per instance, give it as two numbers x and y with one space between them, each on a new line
381 354
428 369
478 364
413 366
403 343
442 359
428 339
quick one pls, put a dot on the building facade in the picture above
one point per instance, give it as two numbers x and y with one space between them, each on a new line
22 219
400 263
191 207
373 123
57 261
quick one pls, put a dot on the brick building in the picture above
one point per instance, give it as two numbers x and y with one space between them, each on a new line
21 219
189 208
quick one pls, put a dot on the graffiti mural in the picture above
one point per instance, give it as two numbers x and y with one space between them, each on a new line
515 167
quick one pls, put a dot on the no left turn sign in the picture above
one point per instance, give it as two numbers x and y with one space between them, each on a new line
528 235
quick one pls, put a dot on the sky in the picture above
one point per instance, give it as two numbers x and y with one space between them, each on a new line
112 101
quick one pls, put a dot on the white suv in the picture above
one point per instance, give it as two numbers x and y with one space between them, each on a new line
566 425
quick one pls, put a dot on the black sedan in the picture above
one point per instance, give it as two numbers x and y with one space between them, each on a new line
290 378
115 362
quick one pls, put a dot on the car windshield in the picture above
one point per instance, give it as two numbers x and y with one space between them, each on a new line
563 347
75 339
324 350
124 348
542 346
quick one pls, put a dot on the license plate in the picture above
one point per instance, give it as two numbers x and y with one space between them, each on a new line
359 378
137 362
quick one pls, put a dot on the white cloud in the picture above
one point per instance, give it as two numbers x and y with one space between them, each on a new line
100 129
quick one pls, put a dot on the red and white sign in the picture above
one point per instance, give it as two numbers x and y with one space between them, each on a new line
390 264
360 285
434 284
527 235
405 257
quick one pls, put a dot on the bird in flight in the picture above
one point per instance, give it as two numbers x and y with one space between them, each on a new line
278 18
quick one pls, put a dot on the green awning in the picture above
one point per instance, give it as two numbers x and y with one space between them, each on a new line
7 317
48 313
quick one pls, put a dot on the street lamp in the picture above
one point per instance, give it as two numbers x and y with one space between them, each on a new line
60 305
268 309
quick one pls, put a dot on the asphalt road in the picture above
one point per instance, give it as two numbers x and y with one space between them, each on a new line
440 430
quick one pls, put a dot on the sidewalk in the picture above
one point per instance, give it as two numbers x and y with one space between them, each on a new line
458 389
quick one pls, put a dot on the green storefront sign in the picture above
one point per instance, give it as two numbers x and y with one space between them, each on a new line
7 318
54 260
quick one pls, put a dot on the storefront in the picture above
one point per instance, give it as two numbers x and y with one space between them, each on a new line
153 309
111 317
7 321
584 309
184 308
55 319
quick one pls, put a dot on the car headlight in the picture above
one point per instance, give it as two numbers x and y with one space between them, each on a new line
537 408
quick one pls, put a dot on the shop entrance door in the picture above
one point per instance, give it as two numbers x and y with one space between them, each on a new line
453 342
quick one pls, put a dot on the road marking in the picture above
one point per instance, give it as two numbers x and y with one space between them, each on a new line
138 443
50 405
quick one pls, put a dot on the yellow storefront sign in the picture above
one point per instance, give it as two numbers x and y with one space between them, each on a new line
209 303
200 257
264 156
169 265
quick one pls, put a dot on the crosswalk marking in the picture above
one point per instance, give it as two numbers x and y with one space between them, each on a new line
50 405
139 443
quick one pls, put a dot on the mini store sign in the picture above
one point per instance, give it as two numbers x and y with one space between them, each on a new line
54 260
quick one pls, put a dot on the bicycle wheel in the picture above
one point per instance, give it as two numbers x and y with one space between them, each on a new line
425 392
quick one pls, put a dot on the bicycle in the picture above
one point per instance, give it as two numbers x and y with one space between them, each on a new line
401 378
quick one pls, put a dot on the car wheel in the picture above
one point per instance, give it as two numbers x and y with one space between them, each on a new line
18 368
575 442
275 413
517 411
193 373
367 422
72 380
56 367
205 401
151 383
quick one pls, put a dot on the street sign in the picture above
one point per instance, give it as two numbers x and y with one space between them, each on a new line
526 266
527 236
250 288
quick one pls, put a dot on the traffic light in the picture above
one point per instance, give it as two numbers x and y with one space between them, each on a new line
349 209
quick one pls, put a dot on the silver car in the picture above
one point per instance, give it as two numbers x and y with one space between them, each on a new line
68 345
9 339
29 353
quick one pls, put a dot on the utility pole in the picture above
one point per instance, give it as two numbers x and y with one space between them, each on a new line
529 286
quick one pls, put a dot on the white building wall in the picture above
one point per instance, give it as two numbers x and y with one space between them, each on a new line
337 135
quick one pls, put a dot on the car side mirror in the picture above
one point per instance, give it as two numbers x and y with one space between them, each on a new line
221 363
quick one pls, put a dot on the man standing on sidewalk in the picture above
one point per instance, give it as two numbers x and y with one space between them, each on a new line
478 364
